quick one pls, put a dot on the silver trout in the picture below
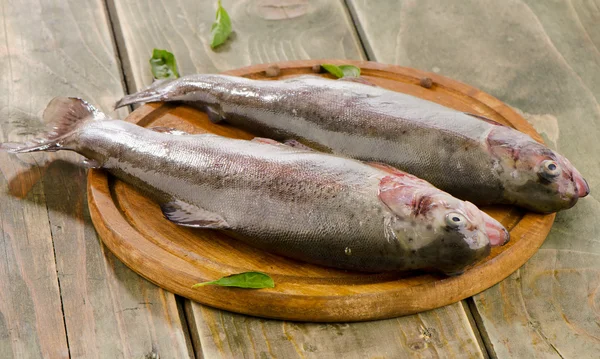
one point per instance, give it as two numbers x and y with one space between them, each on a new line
306 205
472 158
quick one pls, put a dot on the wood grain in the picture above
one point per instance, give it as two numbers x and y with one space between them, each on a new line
427 335
31 323
176 257
543 59
314 29
62 296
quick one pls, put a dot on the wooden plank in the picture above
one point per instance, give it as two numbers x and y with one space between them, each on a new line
543 59
324 31
31 323
443 333
49 246
94 282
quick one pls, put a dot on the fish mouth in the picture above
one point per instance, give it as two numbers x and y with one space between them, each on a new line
496 233
581 185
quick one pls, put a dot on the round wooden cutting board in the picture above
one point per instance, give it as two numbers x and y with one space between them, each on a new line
175 257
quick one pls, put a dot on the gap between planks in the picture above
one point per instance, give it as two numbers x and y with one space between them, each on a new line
478 328
119 45
468 304
124 64
364 44
60 293
189 327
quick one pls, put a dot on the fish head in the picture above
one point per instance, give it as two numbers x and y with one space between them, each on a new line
438 230
534 176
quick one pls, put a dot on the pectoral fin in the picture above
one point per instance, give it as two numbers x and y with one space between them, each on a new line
291 145
215 115
169 130
189 215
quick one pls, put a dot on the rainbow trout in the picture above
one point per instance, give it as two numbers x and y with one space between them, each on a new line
306 205
472 158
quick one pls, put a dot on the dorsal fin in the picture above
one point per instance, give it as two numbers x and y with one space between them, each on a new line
483 118
298 145
386 168
267 141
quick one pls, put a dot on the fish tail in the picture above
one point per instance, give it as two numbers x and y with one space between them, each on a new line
63 116
156 92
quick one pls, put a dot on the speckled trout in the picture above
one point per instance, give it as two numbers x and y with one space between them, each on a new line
299 203
470 157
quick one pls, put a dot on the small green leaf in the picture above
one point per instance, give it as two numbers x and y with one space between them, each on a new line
163 65
334 70
255 280
221 28
350 70
342 70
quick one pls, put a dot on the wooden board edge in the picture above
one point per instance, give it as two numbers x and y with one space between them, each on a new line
492 275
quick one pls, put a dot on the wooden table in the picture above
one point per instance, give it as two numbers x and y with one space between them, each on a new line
62 294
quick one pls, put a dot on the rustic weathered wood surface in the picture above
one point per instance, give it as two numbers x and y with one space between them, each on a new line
543 59
175 257
63 295
441 333
264 31
326 30
540 57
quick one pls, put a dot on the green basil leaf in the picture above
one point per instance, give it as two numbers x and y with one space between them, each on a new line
163 65
221 28
254 280
334 70
350 70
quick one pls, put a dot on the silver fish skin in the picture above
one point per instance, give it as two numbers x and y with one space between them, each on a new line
306 205
472 158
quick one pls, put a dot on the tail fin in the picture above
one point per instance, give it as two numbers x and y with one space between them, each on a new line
154 93
62 116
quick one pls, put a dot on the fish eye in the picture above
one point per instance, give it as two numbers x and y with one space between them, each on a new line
455 220
550 169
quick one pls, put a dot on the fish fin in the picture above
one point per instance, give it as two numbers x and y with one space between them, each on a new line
407 178
360 80
168 130
87 163
189 215
386 168
292 145
298 145
483 118
152 93
62 117
215 115
267 141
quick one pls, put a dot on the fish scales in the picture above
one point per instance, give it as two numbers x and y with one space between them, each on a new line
373 125
299 203
472 158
